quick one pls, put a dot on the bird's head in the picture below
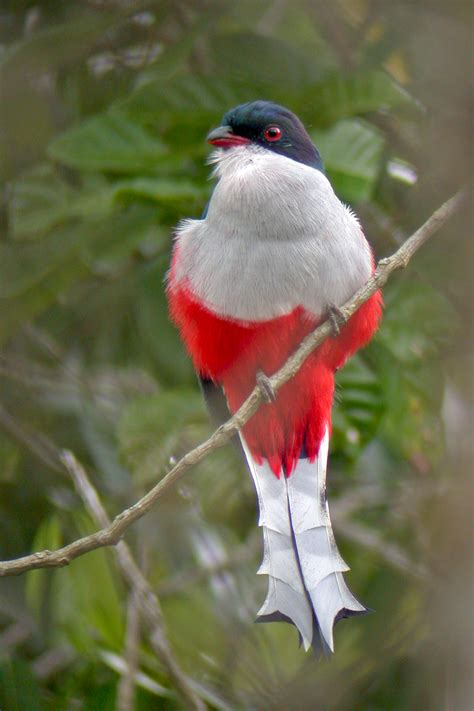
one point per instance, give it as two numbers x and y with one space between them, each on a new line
270 126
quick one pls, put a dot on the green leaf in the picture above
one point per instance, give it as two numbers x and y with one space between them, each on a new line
359 407
352 153
10 455
128 234
110 142
24 265
157 333
41 200
19 690
34 275
174 57
342 96
239 55
86 600
201 99
50 48
162 190
418 321
153 429
412 425
418 324
48 537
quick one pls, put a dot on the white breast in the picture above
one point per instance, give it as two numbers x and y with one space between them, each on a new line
275 237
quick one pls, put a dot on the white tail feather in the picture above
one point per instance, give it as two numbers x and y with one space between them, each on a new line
301 558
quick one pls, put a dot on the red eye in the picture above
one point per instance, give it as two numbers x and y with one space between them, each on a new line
272 133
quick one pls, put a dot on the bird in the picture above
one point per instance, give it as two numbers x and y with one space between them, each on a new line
274 254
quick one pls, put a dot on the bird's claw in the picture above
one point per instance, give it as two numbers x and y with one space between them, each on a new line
266 387
336 317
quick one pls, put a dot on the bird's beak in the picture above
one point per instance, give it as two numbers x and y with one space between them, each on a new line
224 137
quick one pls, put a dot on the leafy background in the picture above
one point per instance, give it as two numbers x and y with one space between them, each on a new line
105 106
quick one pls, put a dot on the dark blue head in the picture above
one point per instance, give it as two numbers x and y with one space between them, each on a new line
269 125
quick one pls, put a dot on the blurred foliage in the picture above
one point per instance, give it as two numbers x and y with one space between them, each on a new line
105 106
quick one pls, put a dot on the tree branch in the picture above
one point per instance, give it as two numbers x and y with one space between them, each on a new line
143 594
112 532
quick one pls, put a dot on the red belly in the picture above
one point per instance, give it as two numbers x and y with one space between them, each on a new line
231 352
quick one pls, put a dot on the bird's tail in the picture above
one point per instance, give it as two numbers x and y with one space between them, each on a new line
304 567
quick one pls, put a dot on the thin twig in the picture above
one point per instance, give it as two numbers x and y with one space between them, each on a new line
111 533
147 600
242 554
388 552
53 661
126 686
39 444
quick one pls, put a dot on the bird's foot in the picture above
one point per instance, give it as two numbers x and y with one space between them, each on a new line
266 387
336 317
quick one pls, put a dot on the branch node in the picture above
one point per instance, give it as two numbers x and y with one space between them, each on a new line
336 318
266 388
